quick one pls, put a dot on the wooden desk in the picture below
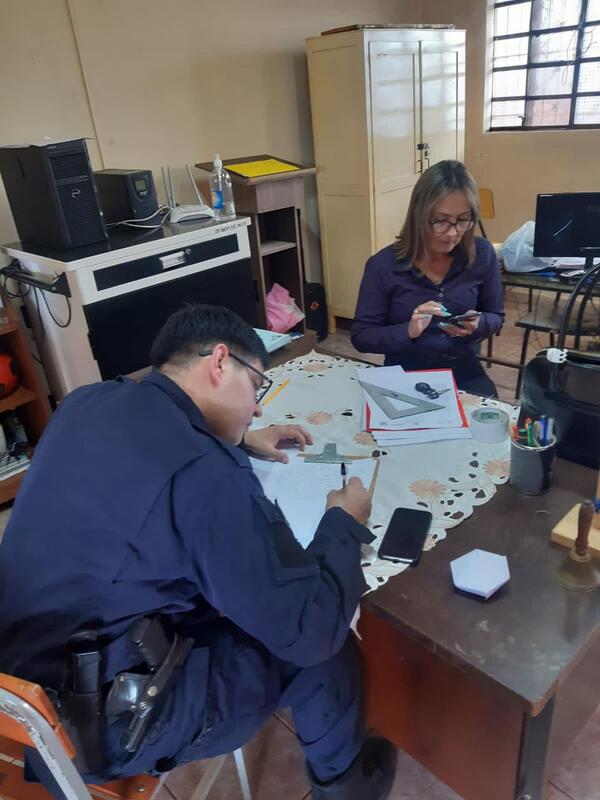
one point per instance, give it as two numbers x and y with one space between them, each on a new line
486 694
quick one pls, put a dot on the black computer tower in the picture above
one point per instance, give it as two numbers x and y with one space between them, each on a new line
52 194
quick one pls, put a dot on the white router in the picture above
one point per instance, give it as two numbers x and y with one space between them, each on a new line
188 212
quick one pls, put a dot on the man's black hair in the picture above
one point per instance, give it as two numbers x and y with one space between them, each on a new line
196 328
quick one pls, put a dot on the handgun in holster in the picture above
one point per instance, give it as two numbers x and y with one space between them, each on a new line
145 695
81 704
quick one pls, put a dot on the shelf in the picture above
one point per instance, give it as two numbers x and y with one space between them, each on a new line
274 246
17 398
8 327
9 486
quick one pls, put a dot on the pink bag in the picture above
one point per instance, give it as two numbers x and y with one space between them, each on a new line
282 311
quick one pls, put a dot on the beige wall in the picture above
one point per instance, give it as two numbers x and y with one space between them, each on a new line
41 88
515 165
170 82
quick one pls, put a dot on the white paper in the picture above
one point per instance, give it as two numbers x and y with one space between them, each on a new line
301 488
448 416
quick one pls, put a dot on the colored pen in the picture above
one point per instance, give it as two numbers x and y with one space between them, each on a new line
544 427
515 433
343 474
529 430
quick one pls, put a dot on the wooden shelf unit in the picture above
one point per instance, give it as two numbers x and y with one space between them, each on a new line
272 203
30 396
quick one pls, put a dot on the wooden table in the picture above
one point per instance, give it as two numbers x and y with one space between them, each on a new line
487 694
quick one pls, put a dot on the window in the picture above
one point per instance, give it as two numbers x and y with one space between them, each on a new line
546 64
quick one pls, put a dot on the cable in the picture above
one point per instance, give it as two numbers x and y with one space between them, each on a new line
134 223
57 322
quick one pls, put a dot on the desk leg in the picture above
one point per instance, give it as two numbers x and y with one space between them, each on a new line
532 758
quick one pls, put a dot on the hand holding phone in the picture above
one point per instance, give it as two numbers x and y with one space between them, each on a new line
405 536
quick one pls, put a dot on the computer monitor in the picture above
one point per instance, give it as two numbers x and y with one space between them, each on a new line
567 225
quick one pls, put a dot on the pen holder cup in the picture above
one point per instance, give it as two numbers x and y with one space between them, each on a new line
531 467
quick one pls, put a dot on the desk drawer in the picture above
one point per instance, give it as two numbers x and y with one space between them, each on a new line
130 271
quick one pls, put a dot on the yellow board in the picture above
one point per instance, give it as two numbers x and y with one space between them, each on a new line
254 169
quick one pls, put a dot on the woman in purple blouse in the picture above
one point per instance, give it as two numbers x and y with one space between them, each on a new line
436 268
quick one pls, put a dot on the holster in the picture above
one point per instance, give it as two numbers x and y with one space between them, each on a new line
144 695
81 703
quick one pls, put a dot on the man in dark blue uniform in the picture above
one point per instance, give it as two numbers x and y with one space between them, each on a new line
140 506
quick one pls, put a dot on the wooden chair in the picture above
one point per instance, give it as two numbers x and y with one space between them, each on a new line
545 318
28 718
487 211
486 208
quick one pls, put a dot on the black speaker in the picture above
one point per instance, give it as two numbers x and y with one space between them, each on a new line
52 194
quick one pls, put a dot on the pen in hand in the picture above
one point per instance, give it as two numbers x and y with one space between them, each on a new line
343 474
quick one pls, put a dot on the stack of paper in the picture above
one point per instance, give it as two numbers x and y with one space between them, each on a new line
395 412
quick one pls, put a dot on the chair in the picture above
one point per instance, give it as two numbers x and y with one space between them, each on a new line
487 211
545 318
28 718
486 208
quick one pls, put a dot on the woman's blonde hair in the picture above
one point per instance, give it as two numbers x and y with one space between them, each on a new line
439 180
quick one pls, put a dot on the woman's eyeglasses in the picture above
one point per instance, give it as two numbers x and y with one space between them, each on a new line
444 225
261 389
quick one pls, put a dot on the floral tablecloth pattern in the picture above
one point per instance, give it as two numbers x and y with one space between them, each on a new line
448 478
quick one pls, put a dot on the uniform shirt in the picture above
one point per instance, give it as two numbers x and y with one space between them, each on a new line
132 507
392 289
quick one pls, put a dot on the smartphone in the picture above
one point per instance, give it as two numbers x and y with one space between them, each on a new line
456 319
405 536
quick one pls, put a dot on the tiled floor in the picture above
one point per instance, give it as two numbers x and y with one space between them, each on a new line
275 771
274 759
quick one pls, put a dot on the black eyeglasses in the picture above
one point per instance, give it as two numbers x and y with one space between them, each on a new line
444 225
265 382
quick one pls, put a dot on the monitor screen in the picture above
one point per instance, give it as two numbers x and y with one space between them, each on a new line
566 223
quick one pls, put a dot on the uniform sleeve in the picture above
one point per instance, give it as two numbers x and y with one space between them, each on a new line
371 329
491 295
298 603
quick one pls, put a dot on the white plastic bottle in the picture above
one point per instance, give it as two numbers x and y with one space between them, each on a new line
220 192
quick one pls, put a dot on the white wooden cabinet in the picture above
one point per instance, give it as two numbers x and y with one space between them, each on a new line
386 104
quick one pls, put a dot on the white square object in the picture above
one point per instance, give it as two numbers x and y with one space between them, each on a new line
480 572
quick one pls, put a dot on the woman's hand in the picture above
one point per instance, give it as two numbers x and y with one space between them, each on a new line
266 442
466 327
421 317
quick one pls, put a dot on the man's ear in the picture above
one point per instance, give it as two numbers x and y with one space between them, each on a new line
216 364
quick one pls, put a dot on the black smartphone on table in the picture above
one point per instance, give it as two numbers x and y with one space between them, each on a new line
405 536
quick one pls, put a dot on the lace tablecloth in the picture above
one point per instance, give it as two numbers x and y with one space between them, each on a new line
449 478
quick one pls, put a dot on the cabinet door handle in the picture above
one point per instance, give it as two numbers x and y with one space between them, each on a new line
172 259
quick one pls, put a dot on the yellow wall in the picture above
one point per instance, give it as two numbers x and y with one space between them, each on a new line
515 165
169 82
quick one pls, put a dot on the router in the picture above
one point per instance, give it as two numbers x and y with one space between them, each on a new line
185 212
